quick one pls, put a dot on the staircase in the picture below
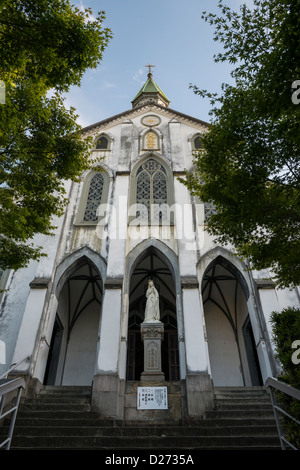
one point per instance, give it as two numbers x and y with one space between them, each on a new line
60 418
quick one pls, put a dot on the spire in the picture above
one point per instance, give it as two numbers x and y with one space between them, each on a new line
150 93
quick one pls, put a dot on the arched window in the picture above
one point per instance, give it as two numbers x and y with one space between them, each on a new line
102 143
94 198
196 142
152 192
94 193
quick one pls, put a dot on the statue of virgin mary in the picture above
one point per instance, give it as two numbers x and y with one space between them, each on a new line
152 304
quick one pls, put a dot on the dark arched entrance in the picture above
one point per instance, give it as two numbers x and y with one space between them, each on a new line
151 265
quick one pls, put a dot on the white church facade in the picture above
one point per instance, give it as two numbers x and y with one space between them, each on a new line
75 316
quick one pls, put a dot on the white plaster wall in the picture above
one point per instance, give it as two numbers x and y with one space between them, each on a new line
46 332
117 231
80 361
196 357
223 352
185 232
137 234
30 325
275 300
12 309
110 332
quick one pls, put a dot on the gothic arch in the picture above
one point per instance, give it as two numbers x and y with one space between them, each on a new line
74 261
78 288
226 258
141 158
166 253
231 319
169 259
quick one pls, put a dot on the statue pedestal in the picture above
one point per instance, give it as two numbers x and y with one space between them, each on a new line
152 336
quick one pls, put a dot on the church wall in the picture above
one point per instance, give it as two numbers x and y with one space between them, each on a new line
222 349
185 231
117 231
196 357
275 300
29 314
12 309
79 366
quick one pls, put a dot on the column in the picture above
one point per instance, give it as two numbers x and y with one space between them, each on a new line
108 388
199 390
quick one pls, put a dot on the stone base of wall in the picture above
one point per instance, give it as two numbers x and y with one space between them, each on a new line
115 398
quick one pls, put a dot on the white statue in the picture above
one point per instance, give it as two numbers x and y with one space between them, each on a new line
152 304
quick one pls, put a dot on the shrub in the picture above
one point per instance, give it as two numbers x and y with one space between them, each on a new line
286 330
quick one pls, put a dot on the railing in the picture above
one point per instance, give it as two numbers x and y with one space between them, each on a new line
282 387
8 386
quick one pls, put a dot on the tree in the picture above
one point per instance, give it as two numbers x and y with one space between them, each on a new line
45 47
286 328
249 164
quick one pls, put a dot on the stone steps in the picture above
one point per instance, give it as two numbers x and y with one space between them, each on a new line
150 431
145 442
61 418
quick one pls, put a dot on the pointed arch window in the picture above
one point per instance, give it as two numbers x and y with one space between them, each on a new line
94 193
153 192
94 198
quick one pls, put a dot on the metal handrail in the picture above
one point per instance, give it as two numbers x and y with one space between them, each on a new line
8 386
13 366
272 383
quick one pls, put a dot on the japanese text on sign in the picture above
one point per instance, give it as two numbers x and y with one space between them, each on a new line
152 398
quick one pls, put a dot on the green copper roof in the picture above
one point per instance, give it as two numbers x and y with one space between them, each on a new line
150 87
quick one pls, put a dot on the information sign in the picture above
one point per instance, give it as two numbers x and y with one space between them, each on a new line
152 398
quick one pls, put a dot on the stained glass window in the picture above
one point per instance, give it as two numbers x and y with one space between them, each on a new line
102 143
209 209
152 190
94 198
198 143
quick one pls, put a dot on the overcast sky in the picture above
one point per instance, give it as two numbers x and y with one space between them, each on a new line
167 33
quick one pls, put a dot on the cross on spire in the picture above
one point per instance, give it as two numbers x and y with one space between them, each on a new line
150 71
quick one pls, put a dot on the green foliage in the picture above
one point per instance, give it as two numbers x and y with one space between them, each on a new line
249 166
45 47
286 330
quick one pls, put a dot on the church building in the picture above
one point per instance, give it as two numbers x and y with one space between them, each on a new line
77 317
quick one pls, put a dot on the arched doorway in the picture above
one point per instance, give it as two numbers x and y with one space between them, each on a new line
72 353
232 351
152 265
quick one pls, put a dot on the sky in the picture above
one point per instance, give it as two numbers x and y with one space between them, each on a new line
171 35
